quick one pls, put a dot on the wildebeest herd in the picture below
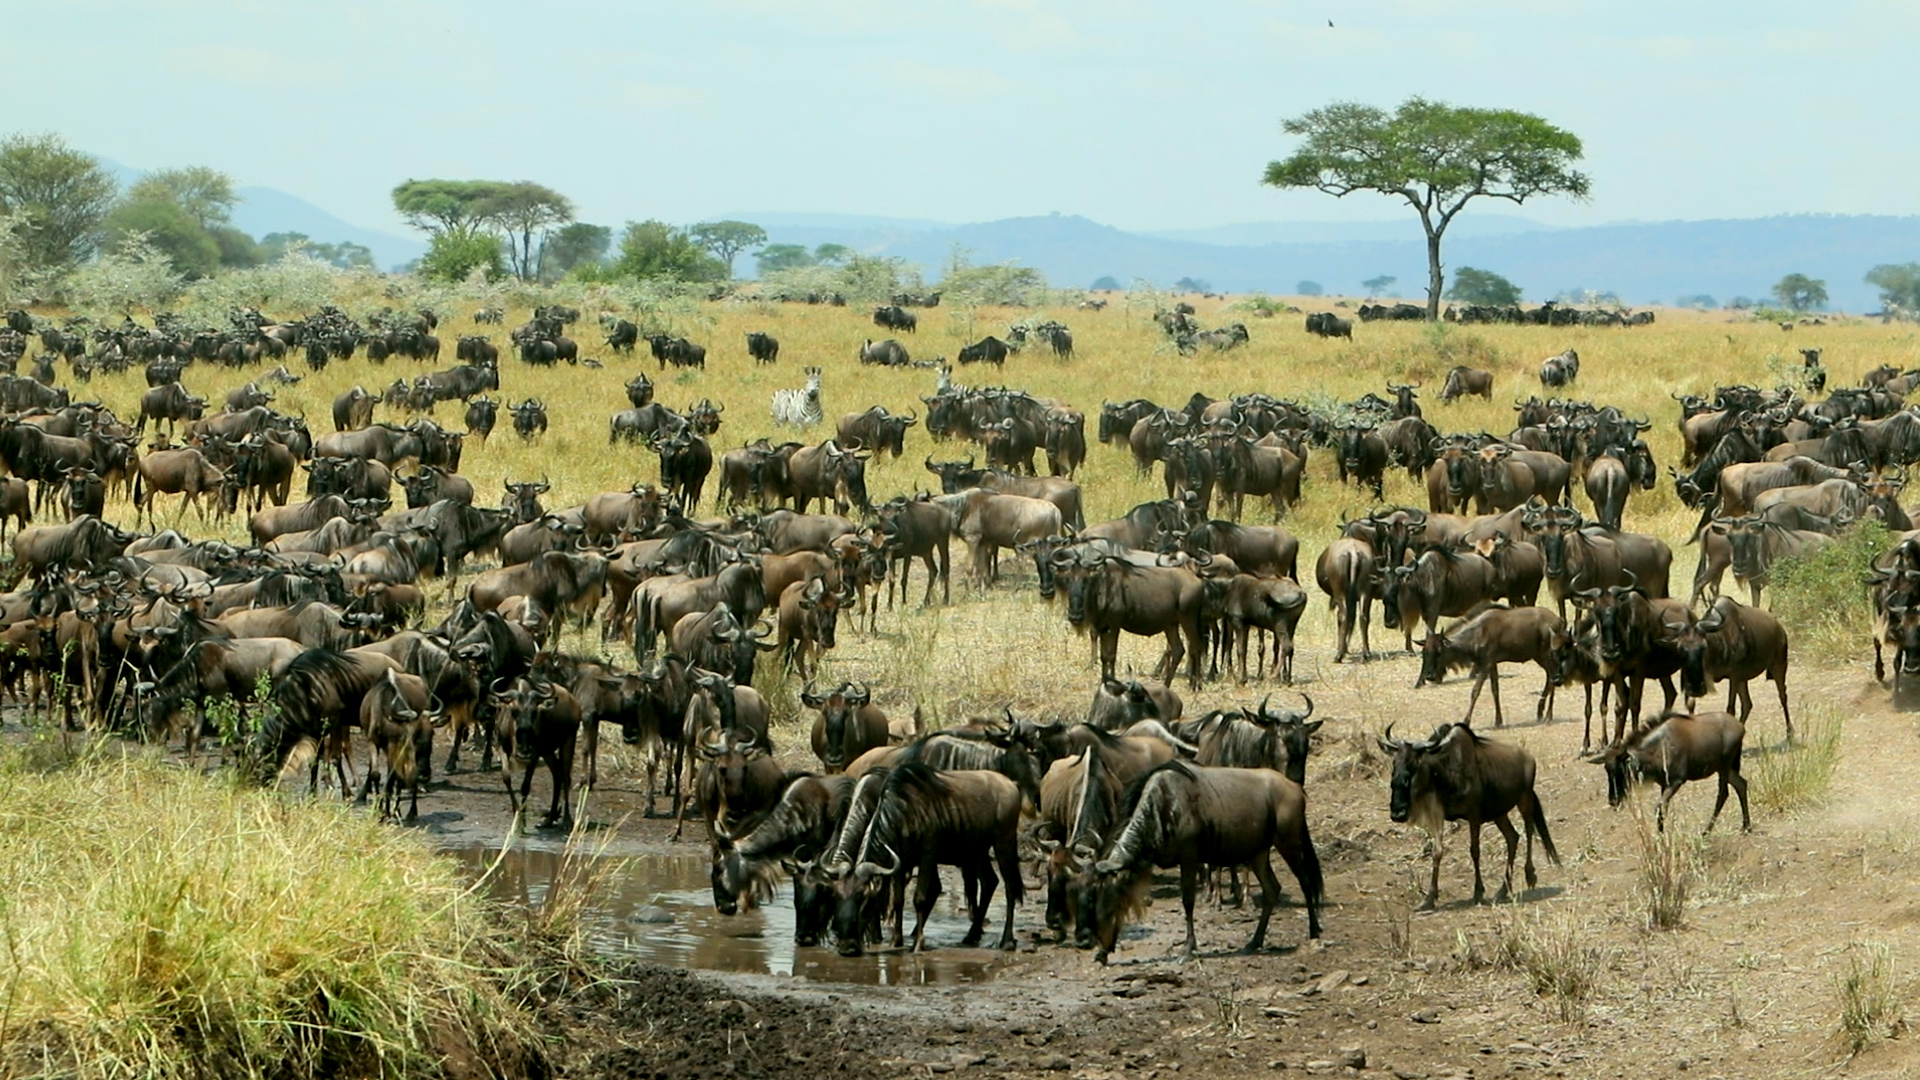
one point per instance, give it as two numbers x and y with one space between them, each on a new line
318 625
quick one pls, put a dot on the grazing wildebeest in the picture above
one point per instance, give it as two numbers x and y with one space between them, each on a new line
1463 380
1196 819
988 350
1499 635
1560 370
1455 775
1675 749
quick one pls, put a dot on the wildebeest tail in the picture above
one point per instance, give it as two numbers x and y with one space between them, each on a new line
1350 598
1536 816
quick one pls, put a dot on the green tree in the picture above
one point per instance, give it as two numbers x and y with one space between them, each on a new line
1740 303
1899 285
237 249
187 245
450 206
726 239
1377 285
1472 286
455 253
60 195
1105 283
1435 156
1798 292
206 195
346 254
574 245
524 211
832 254
1309 288
774 258
134 275
654 249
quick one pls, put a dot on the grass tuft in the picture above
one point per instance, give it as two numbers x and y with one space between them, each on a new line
1871 999
1554 950
1786 779
1670 868
160 924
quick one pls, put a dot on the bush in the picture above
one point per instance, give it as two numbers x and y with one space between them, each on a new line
454 256
1669 869
1552 949
1823 597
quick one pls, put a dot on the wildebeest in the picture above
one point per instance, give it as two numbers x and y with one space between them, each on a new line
530 419
185 472
1560 370
1736 643
888 353
1675 749
535 723
1326 324
876 430
988 350
895 317
764 348
1107 595
927 818
849 724
398 723
1456 775
481 414
169 404
677 351
1496 636
1196 818
809 619
1362 457
1463 380
1345 572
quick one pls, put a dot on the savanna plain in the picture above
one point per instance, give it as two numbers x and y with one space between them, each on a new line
167 921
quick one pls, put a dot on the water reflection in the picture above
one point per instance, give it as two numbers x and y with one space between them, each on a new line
660 908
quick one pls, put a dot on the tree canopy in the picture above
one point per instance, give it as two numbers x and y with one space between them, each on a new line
1308 288
574 245
1377 285
524 211
774 258
456 206
346 254
1105 283
454 255
1193 284
1437 157
1798 292
1475 286
726 239
170 230
206 195
60 197
185 213
654 249
1899 285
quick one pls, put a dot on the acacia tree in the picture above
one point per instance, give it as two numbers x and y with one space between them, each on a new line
1899 285
1798 292
59 195
1435 156
458 207
726 239
521 210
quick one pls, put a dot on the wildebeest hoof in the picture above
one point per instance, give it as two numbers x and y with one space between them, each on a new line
1430 904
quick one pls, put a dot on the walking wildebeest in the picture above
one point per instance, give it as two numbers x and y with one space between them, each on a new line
1455 775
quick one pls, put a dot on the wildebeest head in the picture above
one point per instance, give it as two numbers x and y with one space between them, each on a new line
1690 641
1423 772
523 498
839 709
950 473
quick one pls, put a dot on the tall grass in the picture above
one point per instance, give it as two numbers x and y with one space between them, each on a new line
1670 868
1790 778
1872 1002
157 924
1554 949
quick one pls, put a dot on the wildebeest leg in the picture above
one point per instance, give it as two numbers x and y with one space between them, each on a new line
1543 711
1473 849
453 752
1433 880
1366 625
560 769
1269 899
923 900
1732 776
1473 700
1666 796
1007 853
373 774
1493 676
1780 684
1513 848
897 907
1753 590
1720 800
1189 889
506 777
987 882
593 751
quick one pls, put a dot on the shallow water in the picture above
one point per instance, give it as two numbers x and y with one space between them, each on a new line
660 908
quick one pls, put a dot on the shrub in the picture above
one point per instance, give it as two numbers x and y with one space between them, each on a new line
1790 778
1823 597
1553 950
453 256
1669 869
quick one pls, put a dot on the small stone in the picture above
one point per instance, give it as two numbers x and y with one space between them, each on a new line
1426 1016
940 1066
1409 1074
1333 982
1683 1064
1360 980
1372 1024
1052 1063
651 915
966 1058
1278 1013
1319 1065
1276 1064
1353 1057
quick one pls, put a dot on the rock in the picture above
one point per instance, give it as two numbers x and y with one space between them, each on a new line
940 1066
1426 1016
1279 1013
1409 1074
1332 982
1353 1057
1372 1024
651 915
1319 1065
1360 980
966 1058
1052 1063
1276 1064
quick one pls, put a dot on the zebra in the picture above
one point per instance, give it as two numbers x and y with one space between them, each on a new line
799 408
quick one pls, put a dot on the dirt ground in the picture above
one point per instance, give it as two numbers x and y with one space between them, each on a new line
1747 986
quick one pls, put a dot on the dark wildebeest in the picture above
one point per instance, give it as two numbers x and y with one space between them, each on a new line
1463 380
530 419
1455 775
169 404
1613 475
849 724
1440 582
988 350
1269 605
917 529
888 353
1108 595
876 430
927 818
353 410
1738 644
1482 643
538 722
1675 749
1362 458
764 348
481 414
1555 372
794 834
398 723
1197 819
1118 705
1065 441
1345 572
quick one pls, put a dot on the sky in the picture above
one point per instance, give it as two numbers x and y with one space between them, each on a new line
1137 115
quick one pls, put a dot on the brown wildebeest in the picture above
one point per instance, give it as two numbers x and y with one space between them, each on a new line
1107 595
1345 572
1738 644
1440 582
1495 636
535 723
1675 749
398 724
186 473
1463 380
809 618
1119 705
16 502
1455 775
850 724
1197 819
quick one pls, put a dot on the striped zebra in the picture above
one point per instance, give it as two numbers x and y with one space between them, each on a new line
799 408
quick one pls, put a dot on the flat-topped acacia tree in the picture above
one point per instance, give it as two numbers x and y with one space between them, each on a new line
1435 156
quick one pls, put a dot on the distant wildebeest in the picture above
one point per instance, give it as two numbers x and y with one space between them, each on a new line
764 348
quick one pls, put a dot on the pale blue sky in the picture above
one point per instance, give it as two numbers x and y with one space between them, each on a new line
1140 115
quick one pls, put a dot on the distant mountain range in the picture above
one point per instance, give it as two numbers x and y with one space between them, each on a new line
1642 262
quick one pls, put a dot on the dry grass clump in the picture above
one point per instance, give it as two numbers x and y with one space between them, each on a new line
158 924
1670 869
1789 778
1872 1000
1555 951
